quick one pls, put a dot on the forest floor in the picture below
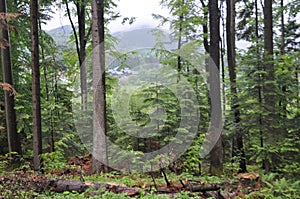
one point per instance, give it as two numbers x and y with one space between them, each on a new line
73 182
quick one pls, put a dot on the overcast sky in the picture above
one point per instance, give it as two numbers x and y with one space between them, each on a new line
141 9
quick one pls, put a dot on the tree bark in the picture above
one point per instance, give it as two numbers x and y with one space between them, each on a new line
238 145
269 78
82 44
216 154
98 62
222 47
205 26
204 188
179 43
282 48
14 143
36 102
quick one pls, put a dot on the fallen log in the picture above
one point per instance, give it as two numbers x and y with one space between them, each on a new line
42 183
78 186
203 188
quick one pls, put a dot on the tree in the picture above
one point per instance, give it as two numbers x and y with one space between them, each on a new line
14 143
269 80
36 102
98 63
216 155
205 26
252 80
238 145
81 41
259 69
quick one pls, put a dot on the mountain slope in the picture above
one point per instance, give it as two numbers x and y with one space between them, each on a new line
142 38
61 35
128 40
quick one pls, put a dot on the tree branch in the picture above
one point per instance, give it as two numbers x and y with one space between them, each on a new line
74 31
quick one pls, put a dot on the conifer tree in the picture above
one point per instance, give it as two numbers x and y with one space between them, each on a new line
14 144
36 91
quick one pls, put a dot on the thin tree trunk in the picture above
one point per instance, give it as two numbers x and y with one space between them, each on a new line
80 42
259 68
282 28
36 103
98 63
14 143
222 47
179 64
283 102
82 50
238 145
216 154
205 26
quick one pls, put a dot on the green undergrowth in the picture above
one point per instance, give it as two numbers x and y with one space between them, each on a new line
110 195
273 186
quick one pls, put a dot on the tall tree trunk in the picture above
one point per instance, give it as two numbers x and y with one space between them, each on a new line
82 46
238 145
222 47
205 26
283 102
269 79
36 102
216 154
14 143
260 78
282 28
98 63
179 44
80 41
